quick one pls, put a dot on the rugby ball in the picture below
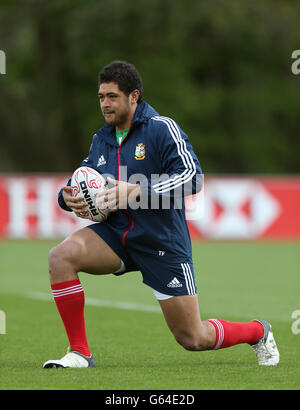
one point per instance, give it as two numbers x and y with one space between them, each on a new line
87 182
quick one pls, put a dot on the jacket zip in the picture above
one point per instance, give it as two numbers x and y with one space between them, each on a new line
119 166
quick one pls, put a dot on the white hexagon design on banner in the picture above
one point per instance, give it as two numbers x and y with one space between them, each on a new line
235 208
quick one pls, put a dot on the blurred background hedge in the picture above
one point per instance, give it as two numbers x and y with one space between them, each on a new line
221 69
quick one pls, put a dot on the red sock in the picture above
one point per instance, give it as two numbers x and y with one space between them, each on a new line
69 299
233 333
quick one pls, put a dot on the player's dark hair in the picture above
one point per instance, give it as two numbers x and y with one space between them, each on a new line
123 74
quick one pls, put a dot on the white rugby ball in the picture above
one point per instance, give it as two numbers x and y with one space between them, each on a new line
87 182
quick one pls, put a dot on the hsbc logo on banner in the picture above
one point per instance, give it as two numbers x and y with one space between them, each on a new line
234 208
33 211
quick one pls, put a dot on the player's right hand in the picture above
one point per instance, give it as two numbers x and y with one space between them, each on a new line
78 205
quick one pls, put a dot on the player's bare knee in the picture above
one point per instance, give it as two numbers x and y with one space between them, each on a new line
64 257
191 342
193 345
54 260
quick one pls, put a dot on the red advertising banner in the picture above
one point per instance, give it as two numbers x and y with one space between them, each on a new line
228 208
248 208
29 209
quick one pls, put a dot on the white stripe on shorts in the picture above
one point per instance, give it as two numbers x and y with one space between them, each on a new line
189 279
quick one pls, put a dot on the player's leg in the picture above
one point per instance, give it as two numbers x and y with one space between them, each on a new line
182 316
84 251
183 319
181 308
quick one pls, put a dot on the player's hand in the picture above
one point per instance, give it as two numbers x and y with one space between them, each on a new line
78 205
119 196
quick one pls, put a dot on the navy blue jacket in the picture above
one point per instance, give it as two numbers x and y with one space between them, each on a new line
157 154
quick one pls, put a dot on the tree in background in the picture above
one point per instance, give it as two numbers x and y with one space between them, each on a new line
221 69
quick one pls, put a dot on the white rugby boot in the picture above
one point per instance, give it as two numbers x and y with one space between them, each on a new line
265 348
72 359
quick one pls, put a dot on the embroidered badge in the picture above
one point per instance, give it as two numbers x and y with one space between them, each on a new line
140 151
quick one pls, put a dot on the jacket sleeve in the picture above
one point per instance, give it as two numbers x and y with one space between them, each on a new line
182 174
87 162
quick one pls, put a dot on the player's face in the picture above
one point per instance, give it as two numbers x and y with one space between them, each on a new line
116 106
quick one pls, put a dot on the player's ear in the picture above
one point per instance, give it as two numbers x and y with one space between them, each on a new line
134 96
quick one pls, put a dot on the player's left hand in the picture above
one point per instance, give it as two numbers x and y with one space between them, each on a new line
119 196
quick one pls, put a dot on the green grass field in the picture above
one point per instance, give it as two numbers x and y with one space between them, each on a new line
133 347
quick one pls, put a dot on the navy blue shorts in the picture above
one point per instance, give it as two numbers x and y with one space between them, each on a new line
167 275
